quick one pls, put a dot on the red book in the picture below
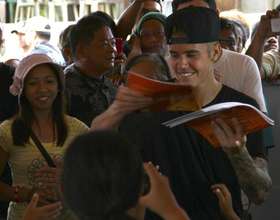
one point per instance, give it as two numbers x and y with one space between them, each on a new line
168 96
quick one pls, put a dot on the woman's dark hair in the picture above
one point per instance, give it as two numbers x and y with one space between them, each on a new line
102 176
163 71
21 126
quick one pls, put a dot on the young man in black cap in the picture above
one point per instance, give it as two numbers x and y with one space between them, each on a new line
189 161
235 70
179 4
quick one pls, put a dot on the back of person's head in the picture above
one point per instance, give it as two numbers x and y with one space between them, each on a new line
102 176
64 44
176 3
45 36
83 32
158 68
64 37
107 18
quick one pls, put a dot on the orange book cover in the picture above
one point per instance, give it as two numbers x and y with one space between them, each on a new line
168 96
250 118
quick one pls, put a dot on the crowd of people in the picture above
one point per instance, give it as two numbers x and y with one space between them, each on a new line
77 143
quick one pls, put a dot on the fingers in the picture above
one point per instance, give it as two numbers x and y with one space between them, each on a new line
154 174
222 193
151 170
34 201
128 100
222 189
51 208
238 130
46 174
229 134
219 195
125 91
120 58
220 135
51 211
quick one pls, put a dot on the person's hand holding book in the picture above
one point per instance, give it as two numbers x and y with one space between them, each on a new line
229 134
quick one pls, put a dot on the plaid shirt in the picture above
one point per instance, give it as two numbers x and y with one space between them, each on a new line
87 96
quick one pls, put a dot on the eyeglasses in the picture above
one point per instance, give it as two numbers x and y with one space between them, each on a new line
109 43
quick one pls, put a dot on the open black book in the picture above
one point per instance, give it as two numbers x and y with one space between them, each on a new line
250 118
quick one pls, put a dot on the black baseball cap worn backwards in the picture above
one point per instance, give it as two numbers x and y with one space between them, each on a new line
196 24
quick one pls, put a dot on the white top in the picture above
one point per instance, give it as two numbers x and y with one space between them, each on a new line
241 73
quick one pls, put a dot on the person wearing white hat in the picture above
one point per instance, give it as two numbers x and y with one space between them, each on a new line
34 36
39 84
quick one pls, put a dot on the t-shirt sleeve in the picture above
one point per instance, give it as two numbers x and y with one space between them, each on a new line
76 127
5 136
253 87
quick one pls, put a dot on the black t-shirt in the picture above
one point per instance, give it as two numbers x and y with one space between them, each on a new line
8 102
8 107
190 162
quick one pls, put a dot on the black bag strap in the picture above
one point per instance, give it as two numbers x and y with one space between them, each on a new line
42 150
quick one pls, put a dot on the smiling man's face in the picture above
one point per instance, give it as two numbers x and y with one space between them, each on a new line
191 63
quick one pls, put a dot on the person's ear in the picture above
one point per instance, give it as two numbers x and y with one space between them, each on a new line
216 52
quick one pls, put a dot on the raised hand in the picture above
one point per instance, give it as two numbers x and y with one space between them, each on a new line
33 212
160 199
225 201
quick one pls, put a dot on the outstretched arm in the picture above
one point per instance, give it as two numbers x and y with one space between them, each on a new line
160 199
256 48
128 18
126 101
251 172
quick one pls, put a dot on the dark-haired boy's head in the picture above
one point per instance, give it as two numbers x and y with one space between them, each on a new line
179 4
108 172
93 45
